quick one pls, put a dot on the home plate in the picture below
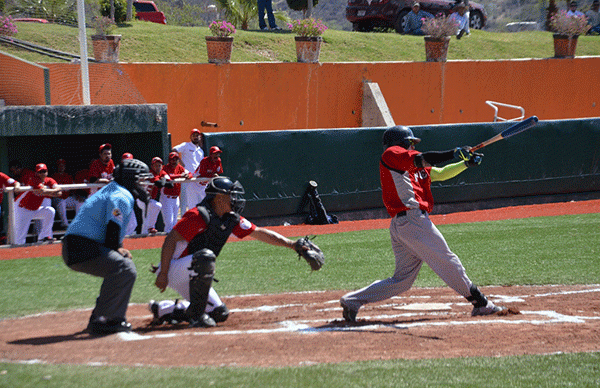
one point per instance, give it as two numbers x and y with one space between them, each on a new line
425 307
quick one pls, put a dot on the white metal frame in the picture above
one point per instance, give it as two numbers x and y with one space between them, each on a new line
495 105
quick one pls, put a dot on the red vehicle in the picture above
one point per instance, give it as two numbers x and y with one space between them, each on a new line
366 15
148 11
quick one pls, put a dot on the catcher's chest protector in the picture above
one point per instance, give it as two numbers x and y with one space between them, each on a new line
217 231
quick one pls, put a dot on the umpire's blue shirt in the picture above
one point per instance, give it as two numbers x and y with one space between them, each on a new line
111 203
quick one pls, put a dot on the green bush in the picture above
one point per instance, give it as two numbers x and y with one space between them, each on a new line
120 9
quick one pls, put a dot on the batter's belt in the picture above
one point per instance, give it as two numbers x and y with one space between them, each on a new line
403 213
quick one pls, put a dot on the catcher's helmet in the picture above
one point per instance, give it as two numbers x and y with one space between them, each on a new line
399 135
224 185
130 174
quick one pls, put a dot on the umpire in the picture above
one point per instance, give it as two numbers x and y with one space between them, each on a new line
93 244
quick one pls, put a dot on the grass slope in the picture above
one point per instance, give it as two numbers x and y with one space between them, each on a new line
545 250
151 42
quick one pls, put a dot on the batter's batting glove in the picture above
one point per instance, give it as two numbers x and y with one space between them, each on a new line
463 153
474 160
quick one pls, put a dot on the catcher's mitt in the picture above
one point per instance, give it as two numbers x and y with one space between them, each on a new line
310 252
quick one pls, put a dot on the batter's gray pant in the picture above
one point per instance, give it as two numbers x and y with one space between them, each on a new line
415 239
119 275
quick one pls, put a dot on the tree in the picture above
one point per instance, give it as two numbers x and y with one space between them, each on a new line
302 5
239 12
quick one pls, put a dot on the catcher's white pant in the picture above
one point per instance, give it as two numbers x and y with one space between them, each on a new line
63 205
179 280
170 210
23 218
415 239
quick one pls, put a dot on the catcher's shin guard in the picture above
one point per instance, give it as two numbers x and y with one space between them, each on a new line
203 272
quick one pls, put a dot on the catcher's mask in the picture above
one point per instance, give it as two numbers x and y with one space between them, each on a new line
399 135
131 174
224 185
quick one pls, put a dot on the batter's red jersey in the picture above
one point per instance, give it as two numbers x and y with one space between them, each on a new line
32 201
404 186
208 169
192 223
100 170
62 178
174 172
5 181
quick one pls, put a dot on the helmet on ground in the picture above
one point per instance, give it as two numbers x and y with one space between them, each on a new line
130 174
399 135
224 185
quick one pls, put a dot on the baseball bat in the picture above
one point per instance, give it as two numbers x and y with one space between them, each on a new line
510 131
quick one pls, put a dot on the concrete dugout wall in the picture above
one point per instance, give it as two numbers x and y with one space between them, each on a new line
282 96
275 167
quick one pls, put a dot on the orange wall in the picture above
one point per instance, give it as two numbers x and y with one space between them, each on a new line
21 82
275 96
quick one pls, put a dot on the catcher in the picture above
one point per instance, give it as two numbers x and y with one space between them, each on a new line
190 250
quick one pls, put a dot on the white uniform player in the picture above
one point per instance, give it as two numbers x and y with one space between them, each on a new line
191 153
190 250
406 176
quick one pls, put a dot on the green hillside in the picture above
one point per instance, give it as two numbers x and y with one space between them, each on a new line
150 42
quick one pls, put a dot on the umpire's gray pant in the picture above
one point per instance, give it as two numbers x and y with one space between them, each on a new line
119 275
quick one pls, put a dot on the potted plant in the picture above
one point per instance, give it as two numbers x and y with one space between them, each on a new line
105 44
439 30
220 45
308 39
567 29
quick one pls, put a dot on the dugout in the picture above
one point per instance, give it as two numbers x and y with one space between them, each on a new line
44 134
556 160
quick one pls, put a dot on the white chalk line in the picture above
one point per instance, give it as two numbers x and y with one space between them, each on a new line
311 326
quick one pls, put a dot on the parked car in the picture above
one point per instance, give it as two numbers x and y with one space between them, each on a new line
147 10
366 15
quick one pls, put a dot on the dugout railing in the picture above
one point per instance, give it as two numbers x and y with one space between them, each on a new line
10 192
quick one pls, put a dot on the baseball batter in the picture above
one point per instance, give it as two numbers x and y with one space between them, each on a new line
190 250
406 176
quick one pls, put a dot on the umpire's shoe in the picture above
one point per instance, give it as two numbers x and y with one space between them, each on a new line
203 321
101 326
348 313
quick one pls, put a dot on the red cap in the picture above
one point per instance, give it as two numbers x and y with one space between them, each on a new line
127 155
215 150
105 146
173 155
61 161
156 159
195 130
41 167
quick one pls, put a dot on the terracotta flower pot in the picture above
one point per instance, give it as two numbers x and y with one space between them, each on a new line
564 46
219 49
436 49
308 48
106 47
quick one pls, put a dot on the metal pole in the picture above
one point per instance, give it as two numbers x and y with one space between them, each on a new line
85 78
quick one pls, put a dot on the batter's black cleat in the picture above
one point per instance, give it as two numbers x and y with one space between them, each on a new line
219 313
348 313
203 321
488 309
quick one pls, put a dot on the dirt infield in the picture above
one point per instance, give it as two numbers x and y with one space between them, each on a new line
306 328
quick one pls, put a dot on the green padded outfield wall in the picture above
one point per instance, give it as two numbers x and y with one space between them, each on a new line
555 157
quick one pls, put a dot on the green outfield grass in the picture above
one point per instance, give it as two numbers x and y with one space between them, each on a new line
545 250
